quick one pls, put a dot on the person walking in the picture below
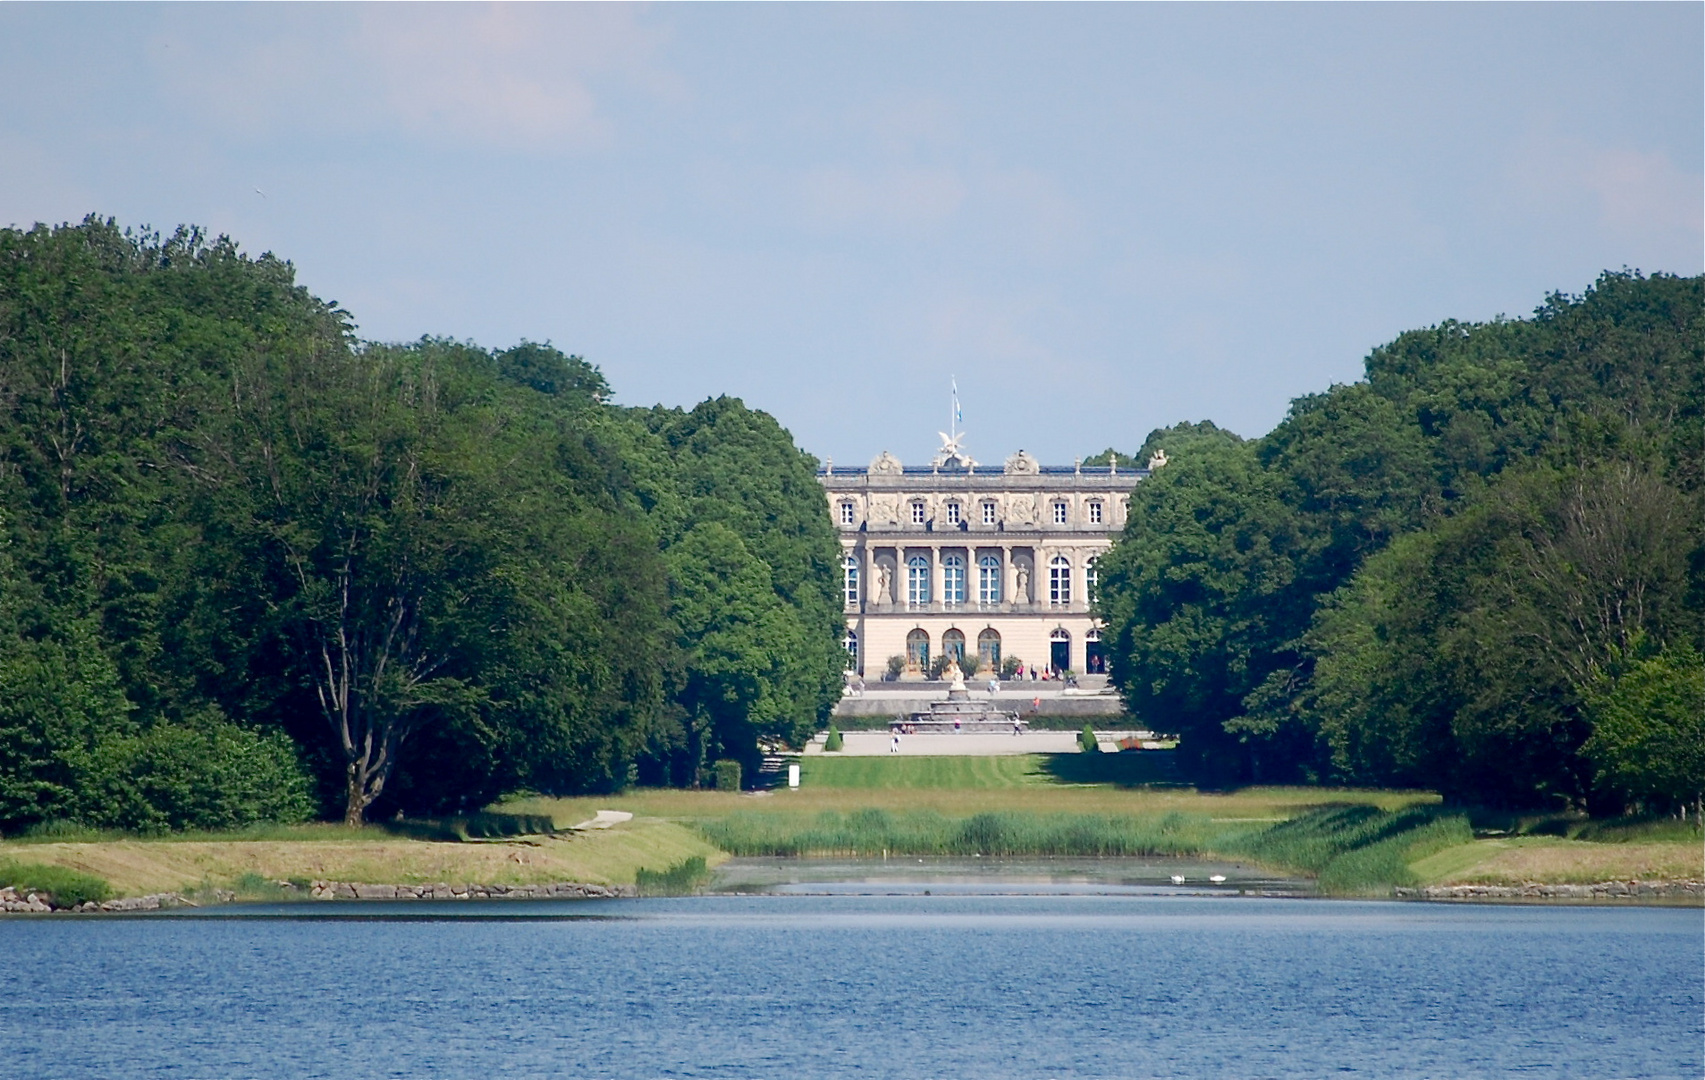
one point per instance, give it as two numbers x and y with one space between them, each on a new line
994 685
894 744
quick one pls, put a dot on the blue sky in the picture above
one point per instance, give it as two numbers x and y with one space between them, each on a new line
1101 218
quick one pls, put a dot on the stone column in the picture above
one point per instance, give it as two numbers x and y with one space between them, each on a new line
935 575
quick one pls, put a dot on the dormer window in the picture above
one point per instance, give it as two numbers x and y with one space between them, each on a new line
1059 513
918 512
989 512
849 515
953 513
1095 513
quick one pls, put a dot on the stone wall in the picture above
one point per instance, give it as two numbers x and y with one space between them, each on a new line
1603 890
41 903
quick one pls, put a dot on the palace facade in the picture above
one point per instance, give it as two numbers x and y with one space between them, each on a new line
959 559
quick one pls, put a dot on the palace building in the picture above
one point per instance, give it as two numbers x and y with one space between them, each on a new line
955 558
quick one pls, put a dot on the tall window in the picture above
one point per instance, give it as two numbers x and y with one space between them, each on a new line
1091 580
849 578
989 512
850 644
917 580
953 514
917 650
1060 650
918 513
847 515
989 650
953 646
1095 513
988 580
1059 580
1059 513
953 579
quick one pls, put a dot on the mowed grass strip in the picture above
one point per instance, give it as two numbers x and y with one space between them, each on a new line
938 773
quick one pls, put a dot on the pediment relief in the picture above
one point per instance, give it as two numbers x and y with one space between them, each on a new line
1022 464
886 464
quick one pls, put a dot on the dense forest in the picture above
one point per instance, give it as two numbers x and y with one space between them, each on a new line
1479 569
252 567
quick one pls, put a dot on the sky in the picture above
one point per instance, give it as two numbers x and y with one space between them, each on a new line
1099 219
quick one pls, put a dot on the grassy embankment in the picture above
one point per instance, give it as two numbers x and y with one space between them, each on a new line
247 860
1355 841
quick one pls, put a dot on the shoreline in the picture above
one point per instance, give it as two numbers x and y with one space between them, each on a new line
1689 894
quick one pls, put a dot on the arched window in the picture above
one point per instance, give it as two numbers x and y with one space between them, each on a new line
917 650
953 645
1060 650
849 579
1094 660
848 515
989 580
917 580
1091 579
953 579
850 644
1059 580
989 650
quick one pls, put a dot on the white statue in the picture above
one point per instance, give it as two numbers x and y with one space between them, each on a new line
951 452
884 579
1023 596
1157 460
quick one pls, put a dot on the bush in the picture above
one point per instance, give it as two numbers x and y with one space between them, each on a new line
1086 740
204 774
727 775
68 888
834 742
1009 667
896 667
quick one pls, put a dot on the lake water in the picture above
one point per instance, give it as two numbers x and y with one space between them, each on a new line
1130 980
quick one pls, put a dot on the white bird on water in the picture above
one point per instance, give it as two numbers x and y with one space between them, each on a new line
1178 879
1217 879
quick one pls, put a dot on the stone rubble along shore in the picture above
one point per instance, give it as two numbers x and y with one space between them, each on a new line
1603 890
567 890
41 903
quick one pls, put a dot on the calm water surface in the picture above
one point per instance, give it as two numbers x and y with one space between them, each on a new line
958 985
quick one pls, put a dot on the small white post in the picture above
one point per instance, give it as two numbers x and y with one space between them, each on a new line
793 775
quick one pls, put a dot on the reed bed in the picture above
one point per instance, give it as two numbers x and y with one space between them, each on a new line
872 831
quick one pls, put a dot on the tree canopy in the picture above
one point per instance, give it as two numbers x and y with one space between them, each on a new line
1435 575
253 567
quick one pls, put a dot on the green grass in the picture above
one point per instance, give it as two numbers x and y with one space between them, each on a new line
1358 850
67 887
63 832
964 773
